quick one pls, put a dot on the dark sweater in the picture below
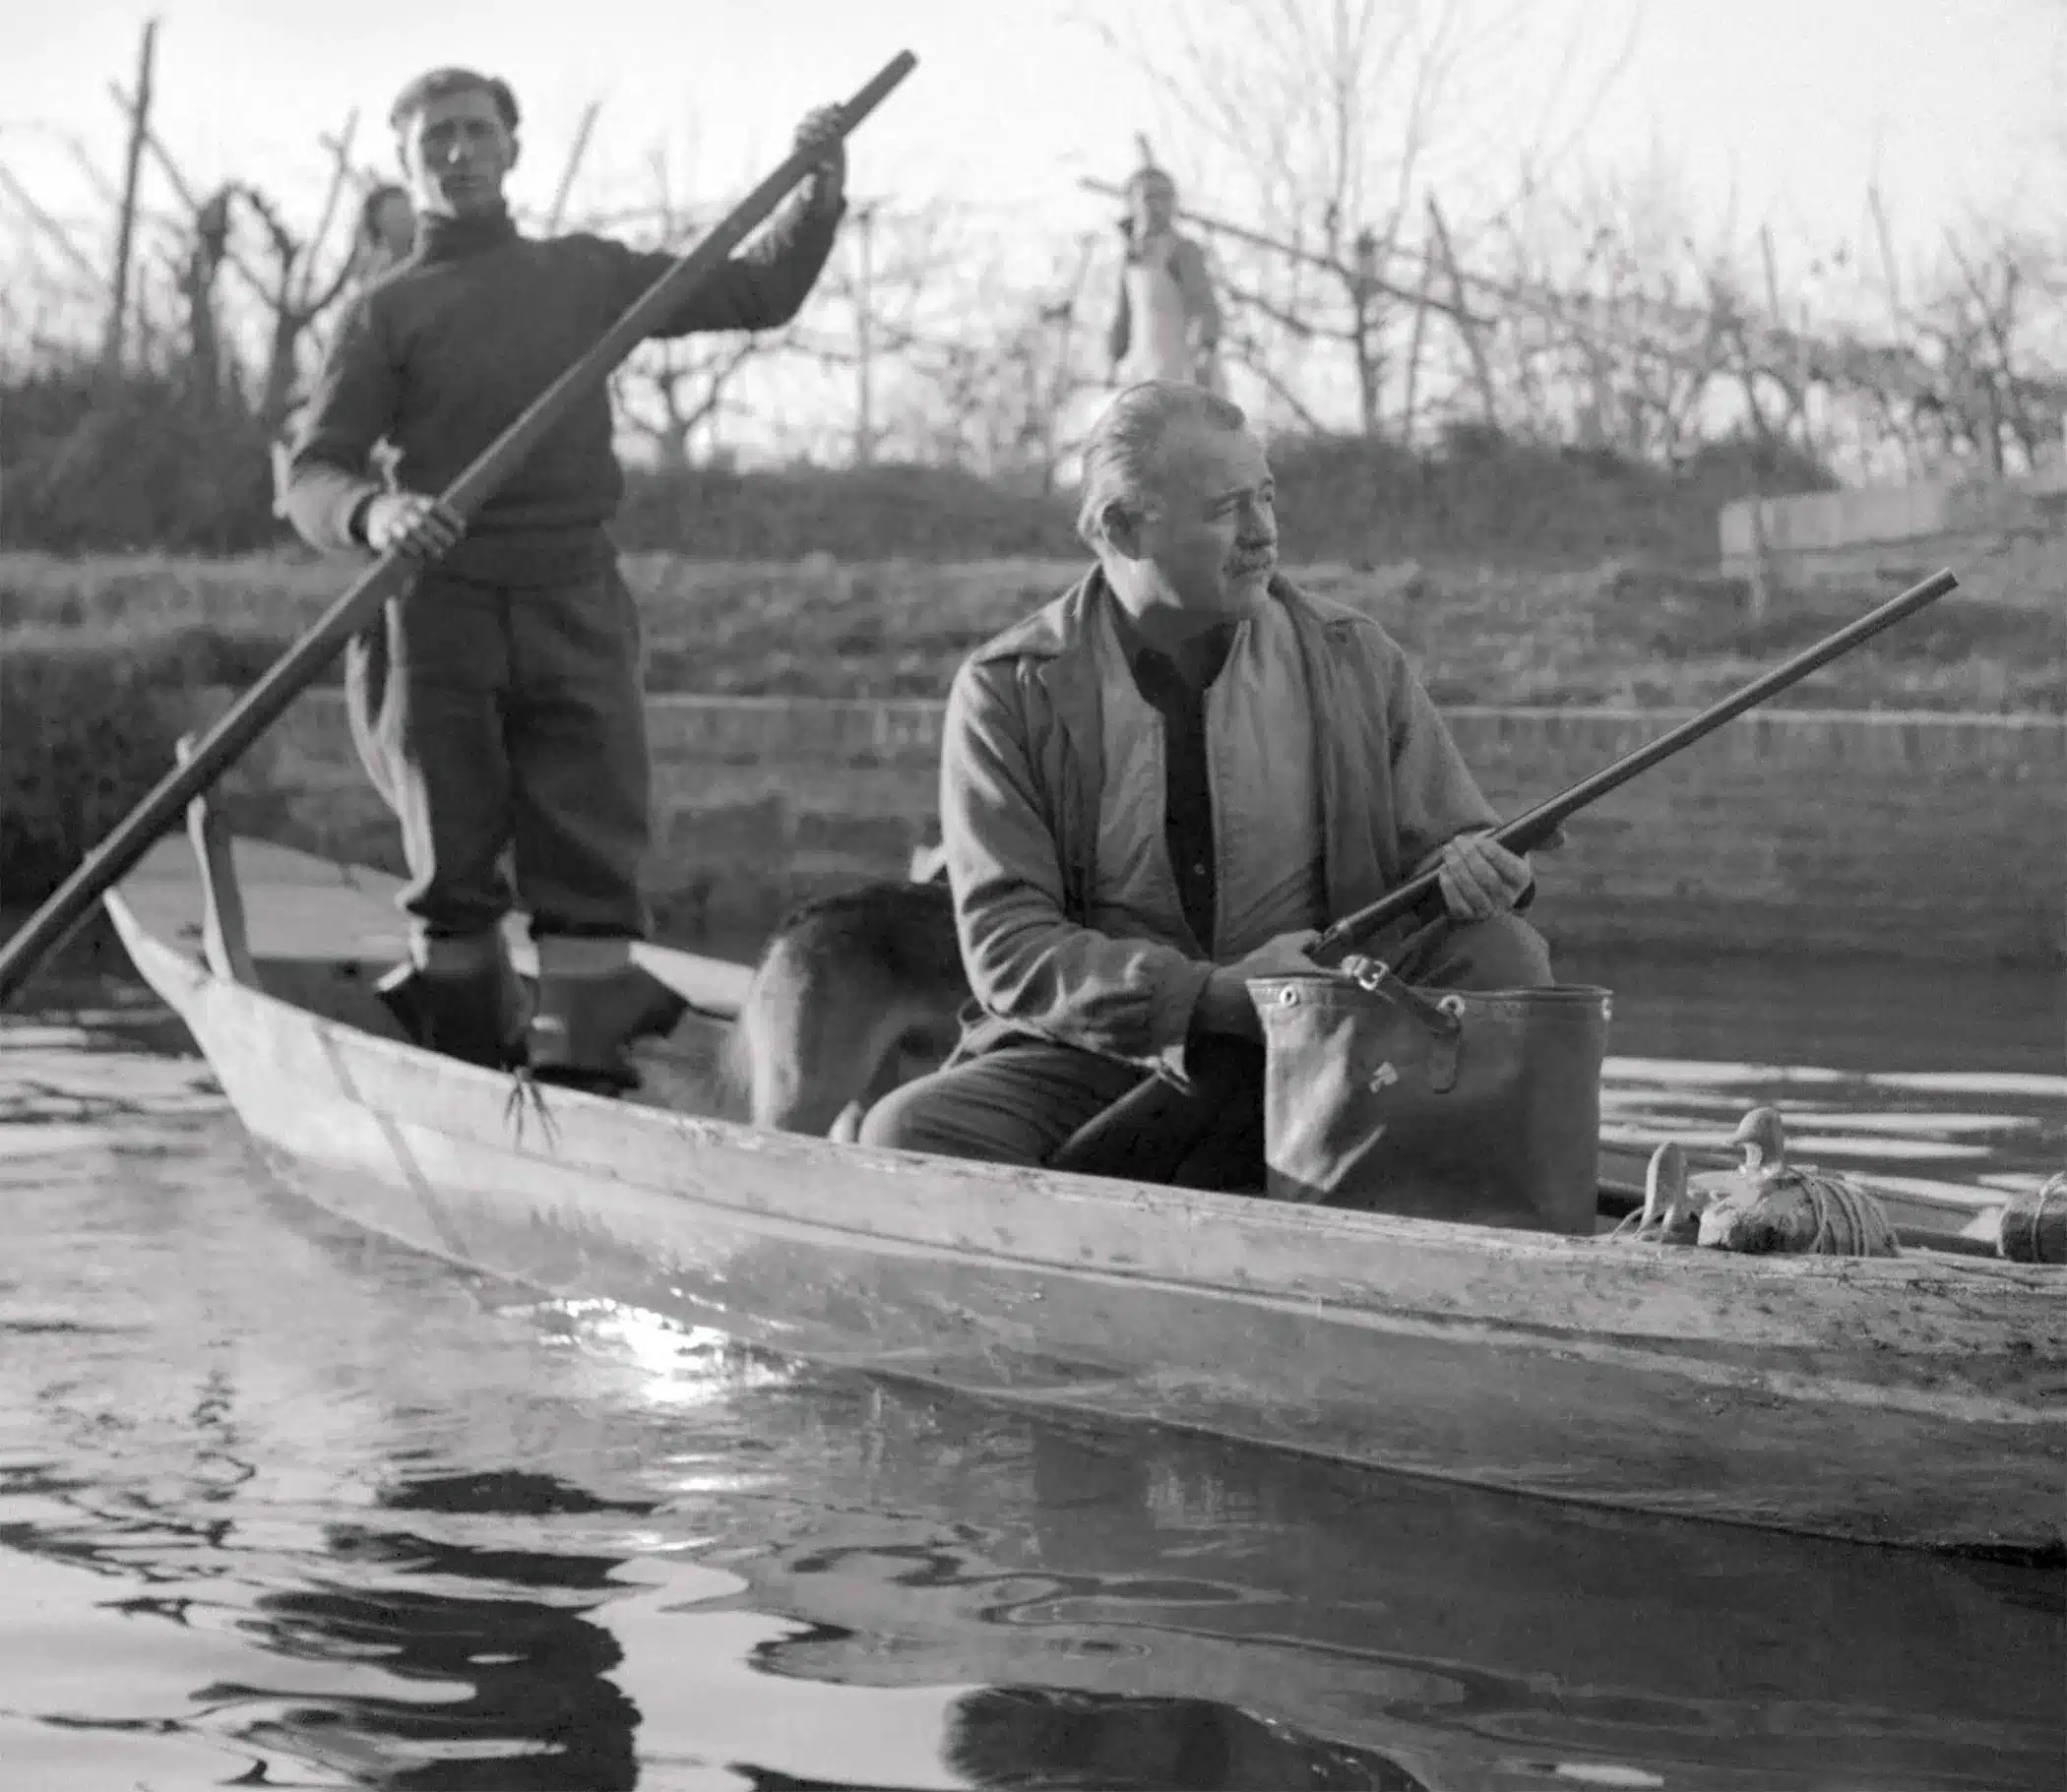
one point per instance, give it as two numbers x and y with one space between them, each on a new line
443 353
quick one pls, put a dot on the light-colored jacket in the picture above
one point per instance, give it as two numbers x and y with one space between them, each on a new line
1021 773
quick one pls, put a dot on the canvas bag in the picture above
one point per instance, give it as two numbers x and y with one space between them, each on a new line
1482 1106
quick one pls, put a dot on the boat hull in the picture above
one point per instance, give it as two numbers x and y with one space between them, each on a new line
1911 1402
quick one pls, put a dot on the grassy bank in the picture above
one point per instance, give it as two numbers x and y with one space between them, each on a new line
98 654
1617 634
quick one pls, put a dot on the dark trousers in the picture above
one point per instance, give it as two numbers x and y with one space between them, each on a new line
1019 1103
505 726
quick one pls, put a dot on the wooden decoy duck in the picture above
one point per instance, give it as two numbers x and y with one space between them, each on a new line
1671 1213
1768 1204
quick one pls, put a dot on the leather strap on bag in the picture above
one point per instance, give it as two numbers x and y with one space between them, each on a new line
1443 1018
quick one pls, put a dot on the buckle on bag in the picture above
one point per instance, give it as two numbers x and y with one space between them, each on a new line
1443 1019
1365 974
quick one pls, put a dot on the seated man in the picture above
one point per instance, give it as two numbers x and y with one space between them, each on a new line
1162 784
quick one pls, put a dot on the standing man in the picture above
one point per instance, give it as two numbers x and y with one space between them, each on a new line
1167 324
501 706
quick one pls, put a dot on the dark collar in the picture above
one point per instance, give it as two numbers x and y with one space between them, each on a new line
451 239
1191 669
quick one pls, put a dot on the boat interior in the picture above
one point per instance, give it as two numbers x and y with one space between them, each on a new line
320 936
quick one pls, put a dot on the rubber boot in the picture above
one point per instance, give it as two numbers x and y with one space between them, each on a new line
583 1027
474 1015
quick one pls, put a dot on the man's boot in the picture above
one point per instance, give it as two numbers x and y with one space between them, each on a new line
584 1026
467 1003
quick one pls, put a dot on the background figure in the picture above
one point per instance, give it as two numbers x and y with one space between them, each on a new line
386 232
385 237
1168 322
382 238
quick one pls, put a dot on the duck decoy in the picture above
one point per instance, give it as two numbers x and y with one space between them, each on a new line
1769 1205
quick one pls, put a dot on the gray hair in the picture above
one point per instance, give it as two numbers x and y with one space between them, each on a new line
1122 455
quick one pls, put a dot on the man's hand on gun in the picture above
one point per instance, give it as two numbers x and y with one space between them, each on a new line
1479 878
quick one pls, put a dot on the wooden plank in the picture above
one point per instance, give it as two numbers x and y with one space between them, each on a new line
224 938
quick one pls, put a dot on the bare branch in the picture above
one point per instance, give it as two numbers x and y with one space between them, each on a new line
1250 355
55 232
341 170
572 166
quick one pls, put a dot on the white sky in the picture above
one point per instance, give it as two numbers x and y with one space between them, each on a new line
1772 111
1794 100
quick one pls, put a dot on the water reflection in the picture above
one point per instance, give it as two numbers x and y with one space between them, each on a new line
510 1678
1036 1736
1460 1633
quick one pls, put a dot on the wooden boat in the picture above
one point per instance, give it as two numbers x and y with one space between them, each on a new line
1914 1401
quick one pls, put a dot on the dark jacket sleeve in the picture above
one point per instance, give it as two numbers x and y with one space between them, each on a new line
1027 962
761 287
353 407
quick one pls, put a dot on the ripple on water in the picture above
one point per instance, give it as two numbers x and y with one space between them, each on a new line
2006 1083
20 1138
2008 1134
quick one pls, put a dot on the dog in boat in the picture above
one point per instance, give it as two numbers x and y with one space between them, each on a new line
854 995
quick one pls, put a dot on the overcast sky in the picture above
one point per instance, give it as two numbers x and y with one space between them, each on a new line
1796 101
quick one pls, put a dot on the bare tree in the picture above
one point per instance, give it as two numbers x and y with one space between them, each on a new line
1000 394
1995 317
1316 122
195 272
1971 370
126 212
886 298
297 299
1624 324
670 389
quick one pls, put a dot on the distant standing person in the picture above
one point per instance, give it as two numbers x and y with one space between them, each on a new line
386 233
385 239
382 235
382 238
1167 322
512 712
